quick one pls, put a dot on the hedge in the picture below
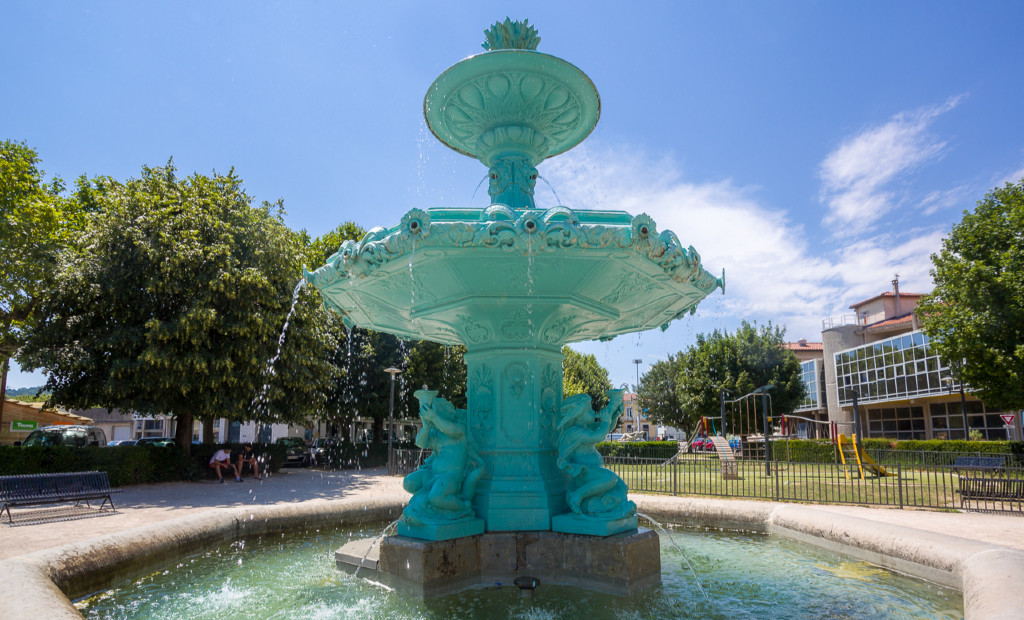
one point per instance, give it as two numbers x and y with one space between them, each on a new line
126 464
639 449
348 455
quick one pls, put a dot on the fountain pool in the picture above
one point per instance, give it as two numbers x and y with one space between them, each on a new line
745 573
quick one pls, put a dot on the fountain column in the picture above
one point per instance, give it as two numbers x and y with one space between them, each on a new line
513 398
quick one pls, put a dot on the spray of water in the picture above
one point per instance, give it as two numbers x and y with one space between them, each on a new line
376 540
552 188
662 529
260 402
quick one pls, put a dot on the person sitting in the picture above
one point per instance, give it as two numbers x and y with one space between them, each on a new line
222 460
247 456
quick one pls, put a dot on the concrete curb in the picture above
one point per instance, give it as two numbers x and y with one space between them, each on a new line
42 584
987 574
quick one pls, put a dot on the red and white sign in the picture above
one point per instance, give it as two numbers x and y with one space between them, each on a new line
1008 418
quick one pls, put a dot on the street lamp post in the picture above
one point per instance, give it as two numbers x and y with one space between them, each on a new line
391 419
763 391
963 400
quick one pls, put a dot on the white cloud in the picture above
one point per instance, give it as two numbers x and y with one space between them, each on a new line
943 199
1014 177
772 273
858 175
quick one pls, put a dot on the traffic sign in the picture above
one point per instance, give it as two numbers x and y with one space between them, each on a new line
1008 418
23 425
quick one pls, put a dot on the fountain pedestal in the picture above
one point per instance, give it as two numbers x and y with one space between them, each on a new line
622 565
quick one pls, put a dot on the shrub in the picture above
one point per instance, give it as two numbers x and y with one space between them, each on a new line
639 449
348 455
125 464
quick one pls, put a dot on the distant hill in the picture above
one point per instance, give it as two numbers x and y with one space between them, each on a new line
29 391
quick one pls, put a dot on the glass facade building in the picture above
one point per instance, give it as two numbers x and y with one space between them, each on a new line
887 374
898 368
811 373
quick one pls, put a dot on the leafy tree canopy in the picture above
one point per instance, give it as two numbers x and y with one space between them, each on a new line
976 311
172 303
581 374
36 224
739 363
657 394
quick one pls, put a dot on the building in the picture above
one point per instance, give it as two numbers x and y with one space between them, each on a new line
632 419
19 419
810 418
879 356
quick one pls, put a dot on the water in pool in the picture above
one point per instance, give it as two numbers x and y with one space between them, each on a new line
745 575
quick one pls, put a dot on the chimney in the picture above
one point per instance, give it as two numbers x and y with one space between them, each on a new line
802 342
896 292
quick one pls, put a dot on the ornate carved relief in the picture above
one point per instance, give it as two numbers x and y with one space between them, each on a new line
474 331
517 326
481 400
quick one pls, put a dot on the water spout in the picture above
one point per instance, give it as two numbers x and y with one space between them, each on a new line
662 529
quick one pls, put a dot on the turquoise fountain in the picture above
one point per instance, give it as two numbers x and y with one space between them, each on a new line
514 283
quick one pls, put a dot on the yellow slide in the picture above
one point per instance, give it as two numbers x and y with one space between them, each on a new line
854 458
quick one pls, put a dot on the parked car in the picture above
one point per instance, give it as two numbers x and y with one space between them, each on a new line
320 450
121 442
77 435
298 453
159 442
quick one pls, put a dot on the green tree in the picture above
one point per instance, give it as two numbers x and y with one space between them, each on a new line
581 374
173 302
439 367
36 224
976 311
740 362
657 394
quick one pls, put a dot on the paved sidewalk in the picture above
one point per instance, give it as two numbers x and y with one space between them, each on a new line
145 505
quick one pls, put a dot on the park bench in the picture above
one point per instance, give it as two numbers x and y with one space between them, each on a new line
975 485
989 464
40 489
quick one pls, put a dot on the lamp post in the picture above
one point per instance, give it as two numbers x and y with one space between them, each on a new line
391 419
763 391
963 400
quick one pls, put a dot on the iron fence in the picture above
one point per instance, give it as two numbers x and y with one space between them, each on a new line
900 478
406 461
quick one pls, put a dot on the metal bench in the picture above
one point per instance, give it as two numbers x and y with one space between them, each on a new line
990 489
974 485
39 489
993 464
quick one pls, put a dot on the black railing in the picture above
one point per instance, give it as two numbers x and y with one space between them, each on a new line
407 461
898 478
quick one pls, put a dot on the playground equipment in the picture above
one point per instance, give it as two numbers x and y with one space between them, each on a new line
854 458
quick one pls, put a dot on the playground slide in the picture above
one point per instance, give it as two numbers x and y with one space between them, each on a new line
848 448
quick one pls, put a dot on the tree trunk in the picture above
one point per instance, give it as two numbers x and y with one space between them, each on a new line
3 385
208 429
183 433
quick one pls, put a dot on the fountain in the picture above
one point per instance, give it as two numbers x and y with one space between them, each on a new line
514 283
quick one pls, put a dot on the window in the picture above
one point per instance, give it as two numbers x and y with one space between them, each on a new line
895 369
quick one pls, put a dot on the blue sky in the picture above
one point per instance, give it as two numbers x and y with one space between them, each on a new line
812 149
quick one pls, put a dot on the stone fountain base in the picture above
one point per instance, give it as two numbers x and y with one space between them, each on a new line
621 564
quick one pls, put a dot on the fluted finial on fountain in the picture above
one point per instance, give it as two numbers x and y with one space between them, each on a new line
512 107
511 35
